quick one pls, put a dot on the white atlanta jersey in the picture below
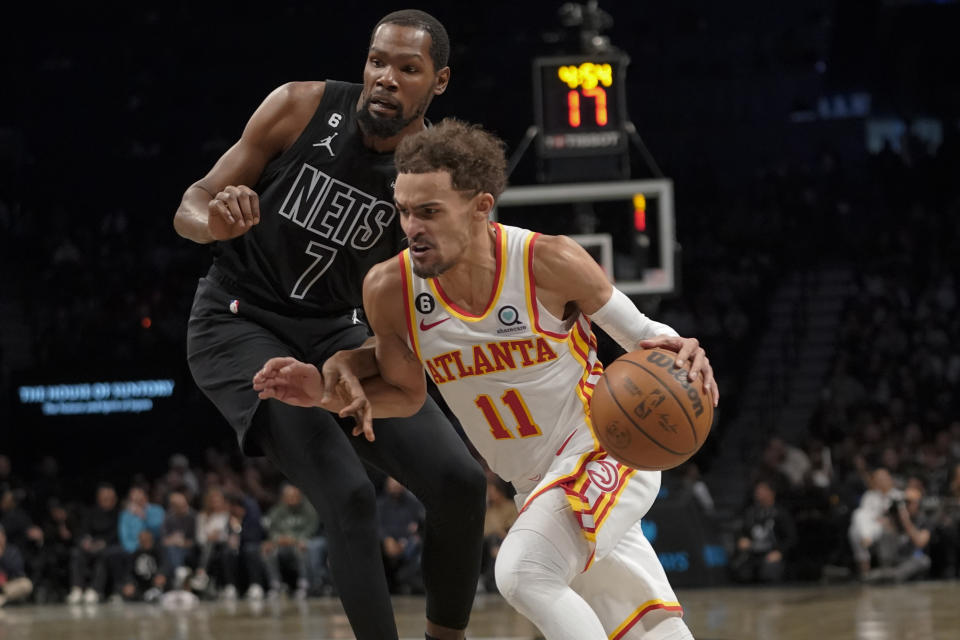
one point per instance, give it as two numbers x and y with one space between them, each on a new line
518 378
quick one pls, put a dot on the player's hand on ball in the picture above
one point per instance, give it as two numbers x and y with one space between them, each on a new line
344 394
290 381
233 212
689 350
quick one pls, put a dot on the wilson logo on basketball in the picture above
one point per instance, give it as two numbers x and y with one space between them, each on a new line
680 375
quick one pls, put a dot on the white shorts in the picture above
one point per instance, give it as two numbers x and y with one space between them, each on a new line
606 497
627 587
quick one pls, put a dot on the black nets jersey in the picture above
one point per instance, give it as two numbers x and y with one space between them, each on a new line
326 217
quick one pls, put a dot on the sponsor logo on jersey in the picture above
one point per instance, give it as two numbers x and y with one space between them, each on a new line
483 359
426 326
327 143
510 317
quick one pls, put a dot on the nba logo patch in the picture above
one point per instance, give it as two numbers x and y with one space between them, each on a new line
234 306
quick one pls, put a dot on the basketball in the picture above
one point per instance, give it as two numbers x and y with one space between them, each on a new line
646 413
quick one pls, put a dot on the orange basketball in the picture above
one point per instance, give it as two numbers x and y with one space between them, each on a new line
646 413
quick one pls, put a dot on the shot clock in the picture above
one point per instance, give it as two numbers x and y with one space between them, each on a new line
580 105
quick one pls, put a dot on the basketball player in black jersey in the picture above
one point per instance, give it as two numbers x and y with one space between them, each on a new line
298 210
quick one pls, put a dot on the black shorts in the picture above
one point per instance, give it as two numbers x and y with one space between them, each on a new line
229 340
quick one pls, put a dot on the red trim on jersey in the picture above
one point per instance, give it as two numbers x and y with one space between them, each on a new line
590 560
636 617
565 442
496 282
584 460
533 294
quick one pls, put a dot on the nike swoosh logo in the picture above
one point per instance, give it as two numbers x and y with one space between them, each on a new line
426 327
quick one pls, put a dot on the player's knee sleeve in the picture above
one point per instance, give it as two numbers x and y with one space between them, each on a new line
355 506
530 570
462 492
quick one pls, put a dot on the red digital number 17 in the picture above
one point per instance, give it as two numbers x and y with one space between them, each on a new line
600 103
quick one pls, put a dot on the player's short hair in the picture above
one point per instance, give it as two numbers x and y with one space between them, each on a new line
439 40
474 158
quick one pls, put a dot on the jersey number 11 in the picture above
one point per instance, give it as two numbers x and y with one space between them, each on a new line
526 427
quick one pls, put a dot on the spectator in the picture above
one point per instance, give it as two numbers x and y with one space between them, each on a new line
793 462
253 480
179 536
46 485
766 537
139 515
500 516
14 584
902 550
866 523
400 517
22 533
179 470
245 541
213 523
147 577
58 535
820 474
98 559
290 525
945 544
9 481
693 482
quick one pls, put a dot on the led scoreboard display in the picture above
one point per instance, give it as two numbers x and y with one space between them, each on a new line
580 105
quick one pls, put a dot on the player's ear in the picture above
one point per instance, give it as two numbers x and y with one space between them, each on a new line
484 204
443 78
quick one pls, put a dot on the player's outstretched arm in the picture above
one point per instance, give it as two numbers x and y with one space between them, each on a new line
291 381
568 278
222 205
381 379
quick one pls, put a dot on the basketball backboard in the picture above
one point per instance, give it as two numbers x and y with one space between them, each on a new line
636 215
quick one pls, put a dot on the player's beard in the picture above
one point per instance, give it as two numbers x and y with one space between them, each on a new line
383 126
431 271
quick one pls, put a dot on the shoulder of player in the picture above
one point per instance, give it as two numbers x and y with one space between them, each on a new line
286 111
296 100
300 94
384 274
383 286
555 257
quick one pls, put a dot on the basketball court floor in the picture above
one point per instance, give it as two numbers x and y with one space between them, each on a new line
918 611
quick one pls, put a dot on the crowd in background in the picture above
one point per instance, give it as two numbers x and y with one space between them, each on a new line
217 531
872 489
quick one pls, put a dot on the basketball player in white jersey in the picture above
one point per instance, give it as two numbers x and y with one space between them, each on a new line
500 319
